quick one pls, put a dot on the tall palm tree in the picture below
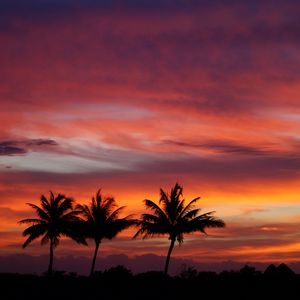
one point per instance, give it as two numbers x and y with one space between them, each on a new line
174 219
101 221
56 218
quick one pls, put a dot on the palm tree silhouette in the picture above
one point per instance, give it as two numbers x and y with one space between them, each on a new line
175 219
56 218
101 221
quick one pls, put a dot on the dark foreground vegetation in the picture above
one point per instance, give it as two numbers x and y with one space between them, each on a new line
120 283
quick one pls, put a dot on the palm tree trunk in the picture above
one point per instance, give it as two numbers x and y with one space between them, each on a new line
50 268
169 256
94 259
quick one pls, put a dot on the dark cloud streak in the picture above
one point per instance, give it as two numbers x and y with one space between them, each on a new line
221 147
19 147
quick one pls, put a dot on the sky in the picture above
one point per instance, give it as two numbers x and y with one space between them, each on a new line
130 96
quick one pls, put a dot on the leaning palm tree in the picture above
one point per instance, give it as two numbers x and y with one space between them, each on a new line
174 219
56 218
101 221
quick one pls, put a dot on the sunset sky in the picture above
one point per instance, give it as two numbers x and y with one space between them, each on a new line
130 96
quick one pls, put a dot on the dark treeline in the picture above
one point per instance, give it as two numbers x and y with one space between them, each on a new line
120 283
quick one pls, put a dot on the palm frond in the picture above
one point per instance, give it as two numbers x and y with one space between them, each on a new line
173 206
30 239
151 218
116 226
202 222
164 197
32 221
176 192
70 216
45 239
179 238
66 204
149 229
51 198
85 211
156 209
189 206
41 213
58 199
45 203
34 232
74 231
180 206
109 204
190 214
36 228
98 195
56 240
114 215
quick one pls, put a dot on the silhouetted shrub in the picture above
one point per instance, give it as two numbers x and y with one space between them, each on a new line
249 271
117 273
282 271
187 272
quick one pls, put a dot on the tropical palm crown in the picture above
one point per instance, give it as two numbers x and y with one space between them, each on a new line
173 218
101 218
56 218
101 221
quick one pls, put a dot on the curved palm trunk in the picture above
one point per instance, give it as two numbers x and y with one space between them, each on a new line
94 258
169 256
50 267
